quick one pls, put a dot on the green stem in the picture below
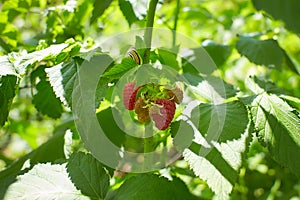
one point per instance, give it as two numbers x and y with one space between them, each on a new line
148 139
148 146
148 31
175 23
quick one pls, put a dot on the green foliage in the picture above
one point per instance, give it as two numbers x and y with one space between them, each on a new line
98 9
119 70
277 126
50 151
88 175
282 10
128 12
226 121
45 100
210 87
44 181
7 93
150 186
261 52
237 128
168 58
62 78
218 52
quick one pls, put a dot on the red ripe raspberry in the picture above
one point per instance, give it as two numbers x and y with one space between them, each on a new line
129 95
163 113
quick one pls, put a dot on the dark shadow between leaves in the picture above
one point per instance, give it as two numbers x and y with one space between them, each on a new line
218 85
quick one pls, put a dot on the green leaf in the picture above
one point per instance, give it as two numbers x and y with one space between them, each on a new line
47 152
119 70
22 62
45 100
8 86
222 122
62 78
223 135
182 133
88 175
168 58
288 11
68 52
290 63
150 186
7 67
210 87
218 163
139 43
128 12
99 8
107 121
68 142
261 52
197 61
108 125
81 15
218 52
293 101
278 127
97 65
44 181
259 85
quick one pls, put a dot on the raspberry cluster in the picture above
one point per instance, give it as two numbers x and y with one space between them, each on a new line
152 101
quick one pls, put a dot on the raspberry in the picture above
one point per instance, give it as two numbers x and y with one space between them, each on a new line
176 95
141 110
129 95
162 113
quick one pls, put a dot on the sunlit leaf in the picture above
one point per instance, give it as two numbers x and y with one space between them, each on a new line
44 181
221 135
218 163
62 78
278 127
22 62
210 87
7 68
293 101
47 152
